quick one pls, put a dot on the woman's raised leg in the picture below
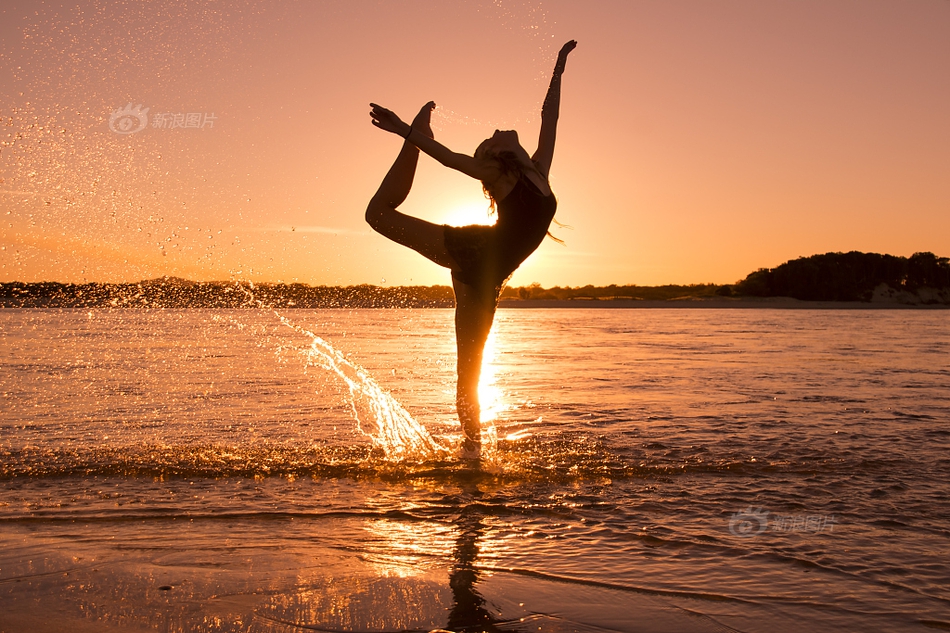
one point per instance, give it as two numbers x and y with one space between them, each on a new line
423 237
474 313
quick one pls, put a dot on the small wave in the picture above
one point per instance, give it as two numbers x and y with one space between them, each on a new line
912 416
831 399
217 515
562 457
619 587
567 458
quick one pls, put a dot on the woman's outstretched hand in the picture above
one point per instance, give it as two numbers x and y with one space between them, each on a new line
387 120
562 56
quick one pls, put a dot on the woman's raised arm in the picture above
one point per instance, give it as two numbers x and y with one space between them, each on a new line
549 113
480 169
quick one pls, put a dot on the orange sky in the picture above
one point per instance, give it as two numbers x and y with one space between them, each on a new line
698 140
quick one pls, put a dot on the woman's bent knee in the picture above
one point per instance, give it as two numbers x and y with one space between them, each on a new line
386 220
376 214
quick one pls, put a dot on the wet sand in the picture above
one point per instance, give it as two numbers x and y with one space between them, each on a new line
174 579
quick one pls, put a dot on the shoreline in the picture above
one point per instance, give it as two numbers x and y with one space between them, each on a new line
692 303
771 303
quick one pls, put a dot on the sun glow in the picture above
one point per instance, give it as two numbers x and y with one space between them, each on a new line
490 396
476 212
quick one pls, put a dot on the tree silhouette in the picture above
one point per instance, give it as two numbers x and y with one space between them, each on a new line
846 276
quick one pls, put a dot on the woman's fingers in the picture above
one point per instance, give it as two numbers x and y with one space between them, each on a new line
384 119
567 48
379 113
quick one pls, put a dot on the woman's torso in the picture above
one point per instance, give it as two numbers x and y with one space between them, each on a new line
524 216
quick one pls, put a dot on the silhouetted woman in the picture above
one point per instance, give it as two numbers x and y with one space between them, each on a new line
481 258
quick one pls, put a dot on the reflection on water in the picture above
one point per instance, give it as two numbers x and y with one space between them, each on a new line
406 549
425 574
360 603
469 608
416 548
329 574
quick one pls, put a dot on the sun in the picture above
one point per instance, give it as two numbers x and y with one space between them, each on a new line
469 212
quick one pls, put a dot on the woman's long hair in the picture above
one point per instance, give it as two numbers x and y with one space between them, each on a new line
510 163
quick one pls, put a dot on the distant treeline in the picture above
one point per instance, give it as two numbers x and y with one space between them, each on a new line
648 293
171 292
850 276
830 277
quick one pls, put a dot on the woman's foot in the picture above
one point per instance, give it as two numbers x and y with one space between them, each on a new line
471 450
421 122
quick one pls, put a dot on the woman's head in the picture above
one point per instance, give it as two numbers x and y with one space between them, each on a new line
503 147
502 141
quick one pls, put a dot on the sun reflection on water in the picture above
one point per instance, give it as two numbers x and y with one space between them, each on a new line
490 396
403 550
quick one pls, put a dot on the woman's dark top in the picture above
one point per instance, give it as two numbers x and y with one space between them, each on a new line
488 255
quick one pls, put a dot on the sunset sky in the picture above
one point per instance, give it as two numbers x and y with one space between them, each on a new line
698 140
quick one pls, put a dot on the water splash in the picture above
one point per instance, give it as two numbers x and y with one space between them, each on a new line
378 414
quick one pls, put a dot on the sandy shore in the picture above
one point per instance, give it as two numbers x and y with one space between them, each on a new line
226 576
771 303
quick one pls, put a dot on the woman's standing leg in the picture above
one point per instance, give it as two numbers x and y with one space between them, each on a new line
474 313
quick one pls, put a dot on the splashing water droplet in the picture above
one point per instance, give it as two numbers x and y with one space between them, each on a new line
378 414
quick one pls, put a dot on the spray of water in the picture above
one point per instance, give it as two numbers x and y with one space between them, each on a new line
378 414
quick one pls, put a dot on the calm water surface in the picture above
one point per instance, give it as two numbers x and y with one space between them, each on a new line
754 469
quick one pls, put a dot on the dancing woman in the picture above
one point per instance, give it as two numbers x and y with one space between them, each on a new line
481 258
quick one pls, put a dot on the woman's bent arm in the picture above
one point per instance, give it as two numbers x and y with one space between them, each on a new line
550 112
479 169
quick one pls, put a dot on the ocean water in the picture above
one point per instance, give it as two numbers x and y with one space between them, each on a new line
667 469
